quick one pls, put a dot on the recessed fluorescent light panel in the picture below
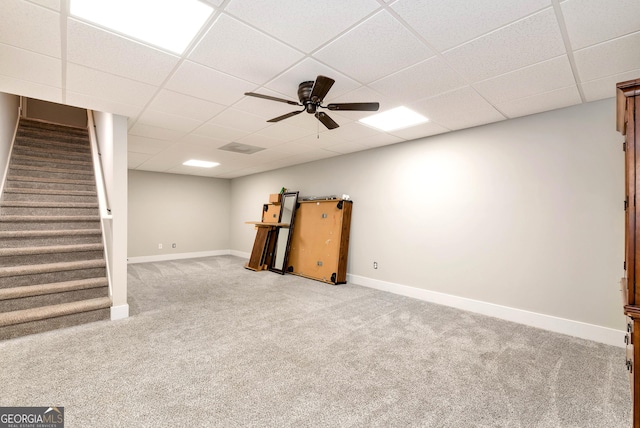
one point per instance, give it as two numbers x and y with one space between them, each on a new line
168 24
396 118
201 164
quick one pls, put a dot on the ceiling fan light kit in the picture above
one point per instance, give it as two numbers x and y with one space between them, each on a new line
311 95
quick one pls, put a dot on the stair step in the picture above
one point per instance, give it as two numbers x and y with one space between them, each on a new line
22 157
48 126
50 180
49 249
56 287
52 170
47 218
40 238
52 154
43 142
47 233
41 313
8 271
29 208
38 204
36 191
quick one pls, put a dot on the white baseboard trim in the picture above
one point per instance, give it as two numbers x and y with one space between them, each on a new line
119 312
240 254
579 329
176 256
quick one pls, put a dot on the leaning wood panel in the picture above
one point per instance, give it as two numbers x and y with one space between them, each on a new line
320 243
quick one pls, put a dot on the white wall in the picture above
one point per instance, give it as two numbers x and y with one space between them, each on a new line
190 211
8 119
524 213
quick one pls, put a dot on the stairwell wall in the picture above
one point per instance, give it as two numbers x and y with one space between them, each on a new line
9 105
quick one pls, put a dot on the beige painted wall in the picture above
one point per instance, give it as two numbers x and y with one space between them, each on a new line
190 211
8 118
57 113
525 213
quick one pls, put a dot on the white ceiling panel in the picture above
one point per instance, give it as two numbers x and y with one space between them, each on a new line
28 26
303 24
593 21
426 79
542 102
461 63
11 85
609 58
538 78
606 87
448 23
377 47
107 86
99 49
208 84
30 66
525 42
184 105
237 49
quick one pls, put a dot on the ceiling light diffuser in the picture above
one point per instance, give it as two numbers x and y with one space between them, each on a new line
168 24
396 118
200 163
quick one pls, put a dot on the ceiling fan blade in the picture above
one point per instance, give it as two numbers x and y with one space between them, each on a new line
354 106
285 116
326 120
268 97
320 88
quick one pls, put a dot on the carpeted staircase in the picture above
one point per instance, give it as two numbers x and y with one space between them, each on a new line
52 266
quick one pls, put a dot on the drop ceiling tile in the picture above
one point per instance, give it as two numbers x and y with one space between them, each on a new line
15 86
265 108
322 140
609 58
203 141
135 160
594 21
117 55
379 140
184 105
542 77
237 49
208 84
94 103
284 132
219 132
169 121
457 109
240 120
375 48
425 79
260 141
30 27
150 146
294 148
542 102
606 87
51 4
348 147
307 70
30 66
420 131
353 130
303 24
448 23
107 86
525 42
155 132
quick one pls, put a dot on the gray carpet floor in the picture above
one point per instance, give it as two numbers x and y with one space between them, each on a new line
211 344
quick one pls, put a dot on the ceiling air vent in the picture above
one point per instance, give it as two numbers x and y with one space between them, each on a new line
245 149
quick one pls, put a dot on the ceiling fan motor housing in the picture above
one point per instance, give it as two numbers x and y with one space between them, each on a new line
304 95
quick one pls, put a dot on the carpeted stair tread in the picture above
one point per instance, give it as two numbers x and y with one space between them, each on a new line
42 204
47 218
56 287
21 251
43 143
51 267
37 191
20 157
6 234
41 313
52 169
50 180
41 124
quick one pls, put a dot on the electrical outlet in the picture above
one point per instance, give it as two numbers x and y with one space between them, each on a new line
159 246
375 265
173 245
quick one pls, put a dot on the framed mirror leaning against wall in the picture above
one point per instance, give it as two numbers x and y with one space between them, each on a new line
289 203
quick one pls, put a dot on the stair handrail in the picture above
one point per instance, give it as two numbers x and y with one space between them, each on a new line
103 202
13 141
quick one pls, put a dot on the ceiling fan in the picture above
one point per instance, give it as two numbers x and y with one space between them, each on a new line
311 94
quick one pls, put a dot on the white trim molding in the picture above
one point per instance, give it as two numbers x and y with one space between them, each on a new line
569 327
177 256
240 254
119 312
